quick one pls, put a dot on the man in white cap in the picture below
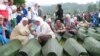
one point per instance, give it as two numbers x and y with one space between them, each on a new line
43 31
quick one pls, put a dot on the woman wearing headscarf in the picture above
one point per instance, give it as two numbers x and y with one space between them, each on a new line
70 24
21 31
3 37
59 28
43 31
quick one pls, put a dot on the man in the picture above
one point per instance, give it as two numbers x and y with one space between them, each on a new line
40 13
34 10
24 10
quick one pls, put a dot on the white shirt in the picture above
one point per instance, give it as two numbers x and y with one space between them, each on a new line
29 15
34 12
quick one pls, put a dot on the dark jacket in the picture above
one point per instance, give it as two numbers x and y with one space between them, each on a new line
59 14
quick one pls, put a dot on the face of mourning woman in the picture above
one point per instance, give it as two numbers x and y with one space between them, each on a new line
25 22
58 22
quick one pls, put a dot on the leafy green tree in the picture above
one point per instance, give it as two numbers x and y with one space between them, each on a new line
92 7
19 2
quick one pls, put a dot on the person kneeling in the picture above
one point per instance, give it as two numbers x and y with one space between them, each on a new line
21 31
43 31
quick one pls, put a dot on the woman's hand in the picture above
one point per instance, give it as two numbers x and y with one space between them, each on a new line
30 25
34 33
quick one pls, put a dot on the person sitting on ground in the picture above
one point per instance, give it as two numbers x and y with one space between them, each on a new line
50 23
21 31
83 23
3 31
59 28
43 31
70 25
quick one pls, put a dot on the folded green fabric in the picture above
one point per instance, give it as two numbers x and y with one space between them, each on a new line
73 48
11 48
32 48
82 35
92 46
52 48
94 35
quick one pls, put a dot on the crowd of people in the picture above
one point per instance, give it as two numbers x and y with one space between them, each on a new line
19 22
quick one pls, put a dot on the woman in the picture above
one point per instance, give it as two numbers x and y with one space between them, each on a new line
59 28
43 31
59 13
21 31
70 25
50 23
3 29
84 23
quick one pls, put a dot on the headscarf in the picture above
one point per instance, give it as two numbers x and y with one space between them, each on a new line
68 19
38 28
37 18
21 24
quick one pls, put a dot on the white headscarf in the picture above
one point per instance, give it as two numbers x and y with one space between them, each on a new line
37 18
21 24
38 28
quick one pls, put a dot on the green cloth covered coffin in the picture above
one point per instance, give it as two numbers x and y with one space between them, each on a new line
92 46
11 48
82 30
92 29
67 35
32 48
82 36
58 37
52 48
73 48
98 29
94 34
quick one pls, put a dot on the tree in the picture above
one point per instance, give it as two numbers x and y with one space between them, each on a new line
75 11
92 7
19 2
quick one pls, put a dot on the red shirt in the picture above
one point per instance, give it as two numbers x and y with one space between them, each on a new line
4 13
